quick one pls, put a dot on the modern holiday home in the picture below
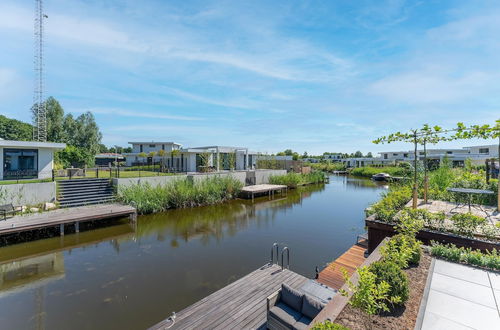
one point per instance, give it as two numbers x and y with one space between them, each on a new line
27 159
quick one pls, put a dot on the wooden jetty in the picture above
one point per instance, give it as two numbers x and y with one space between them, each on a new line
61 217
240 305
332 275
261 189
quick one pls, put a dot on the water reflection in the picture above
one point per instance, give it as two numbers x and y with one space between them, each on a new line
114 277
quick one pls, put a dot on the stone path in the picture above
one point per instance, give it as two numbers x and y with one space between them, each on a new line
460 297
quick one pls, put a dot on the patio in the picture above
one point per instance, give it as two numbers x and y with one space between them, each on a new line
450 208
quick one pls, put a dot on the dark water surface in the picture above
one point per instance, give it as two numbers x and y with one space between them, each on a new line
114 278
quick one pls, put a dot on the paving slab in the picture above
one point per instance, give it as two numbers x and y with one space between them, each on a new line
461 297
462 272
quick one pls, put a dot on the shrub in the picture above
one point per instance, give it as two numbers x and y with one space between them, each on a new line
327 325
467 224
391 203
490 259
293 180
402 250
369 171
368 295
392 274
430 220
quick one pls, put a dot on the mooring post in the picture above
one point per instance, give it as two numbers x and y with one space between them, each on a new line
61 229
77 227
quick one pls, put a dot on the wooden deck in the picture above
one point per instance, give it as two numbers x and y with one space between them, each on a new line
60 217
240 305
332 275
259 189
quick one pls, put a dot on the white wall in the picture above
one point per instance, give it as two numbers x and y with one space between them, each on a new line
262 176
45 163
28 193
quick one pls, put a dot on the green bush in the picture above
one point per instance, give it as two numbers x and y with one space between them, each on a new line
327 325
369 171
391 203
327 167
467 224
490 259
180 193
292 180
402 250
392 274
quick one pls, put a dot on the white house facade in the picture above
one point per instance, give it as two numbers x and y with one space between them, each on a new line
191 159
27 159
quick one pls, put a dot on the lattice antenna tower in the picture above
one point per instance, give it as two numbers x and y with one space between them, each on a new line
39 109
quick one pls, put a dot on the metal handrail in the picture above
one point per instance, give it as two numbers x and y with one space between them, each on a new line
287 259
272 254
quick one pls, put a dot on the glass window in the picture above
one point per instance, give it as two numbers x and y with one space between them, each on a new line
20 163
484 150
152 145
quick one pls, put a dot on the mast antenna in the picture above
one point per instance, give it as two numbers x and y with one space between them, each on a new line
39 107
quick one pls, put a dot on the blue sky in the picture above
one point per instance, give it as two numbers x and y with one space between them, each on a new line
308 75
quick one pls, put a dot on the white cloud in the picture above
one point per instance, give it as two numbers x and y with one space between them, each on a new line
136 113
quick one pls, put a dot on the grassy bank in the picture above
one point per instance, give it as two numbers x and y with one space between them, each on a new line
180 194
327 167
369 171
292 180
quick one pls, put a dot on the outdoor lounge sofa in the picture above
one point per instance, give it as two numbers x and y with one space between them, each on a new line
288 308
7 209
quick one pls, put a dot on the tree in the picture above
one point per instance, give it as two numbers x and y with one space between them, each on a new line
422 136
369 155
55 121
73 156
481 132
358 154
12 129
304 155
142 155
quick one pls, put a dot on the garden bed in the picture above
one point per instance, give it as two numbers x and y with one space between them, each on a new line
401 318
378 230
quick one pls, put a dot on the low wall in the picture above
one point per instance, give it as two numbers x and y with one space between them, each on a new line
238 175
378 230
154 181
28 193
262 176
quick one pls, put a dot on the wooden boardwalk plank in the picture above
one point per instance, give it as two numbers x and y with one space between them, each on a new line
332 275
241 303
36 221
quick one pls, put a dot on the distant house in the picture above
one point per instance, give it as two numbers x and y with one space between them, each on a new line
190 159
107 158
333 157
27 159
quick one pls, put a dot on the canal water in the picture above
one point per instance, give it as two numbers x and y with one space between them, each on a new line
118 277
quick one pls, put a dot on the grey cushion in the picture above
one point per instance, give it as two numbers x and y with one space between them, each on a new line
285 314
311 306
302 323
291 297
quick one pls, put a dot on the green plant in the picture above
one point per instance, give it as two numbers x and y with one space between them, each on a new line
368 295
180 193
293 180
393 201
397 279
467 224
490 259
328 325
402 250
407 223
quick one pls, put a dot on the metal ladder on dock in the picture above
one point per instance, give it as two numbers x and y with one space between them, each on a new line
274 248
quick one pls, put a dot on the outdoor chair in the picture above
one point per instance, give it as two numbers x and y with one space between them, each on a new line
7 209
288 308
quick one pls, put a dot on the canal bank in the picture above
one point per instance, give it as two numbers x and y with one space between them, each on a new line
178 257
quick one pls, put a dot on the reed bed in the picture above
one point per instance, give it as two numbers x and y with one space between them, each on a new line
180 193
292 180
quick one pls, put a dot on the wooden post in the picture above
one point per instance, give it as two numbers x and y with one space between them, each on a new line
77 227
498 176
426 179
487 163
61 229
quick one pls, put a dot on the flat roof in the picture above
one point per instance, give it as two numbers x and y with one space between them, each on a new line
155 142
32 144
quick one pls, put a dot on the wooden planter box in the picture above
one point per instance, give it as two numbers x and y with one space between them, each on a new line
378 230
